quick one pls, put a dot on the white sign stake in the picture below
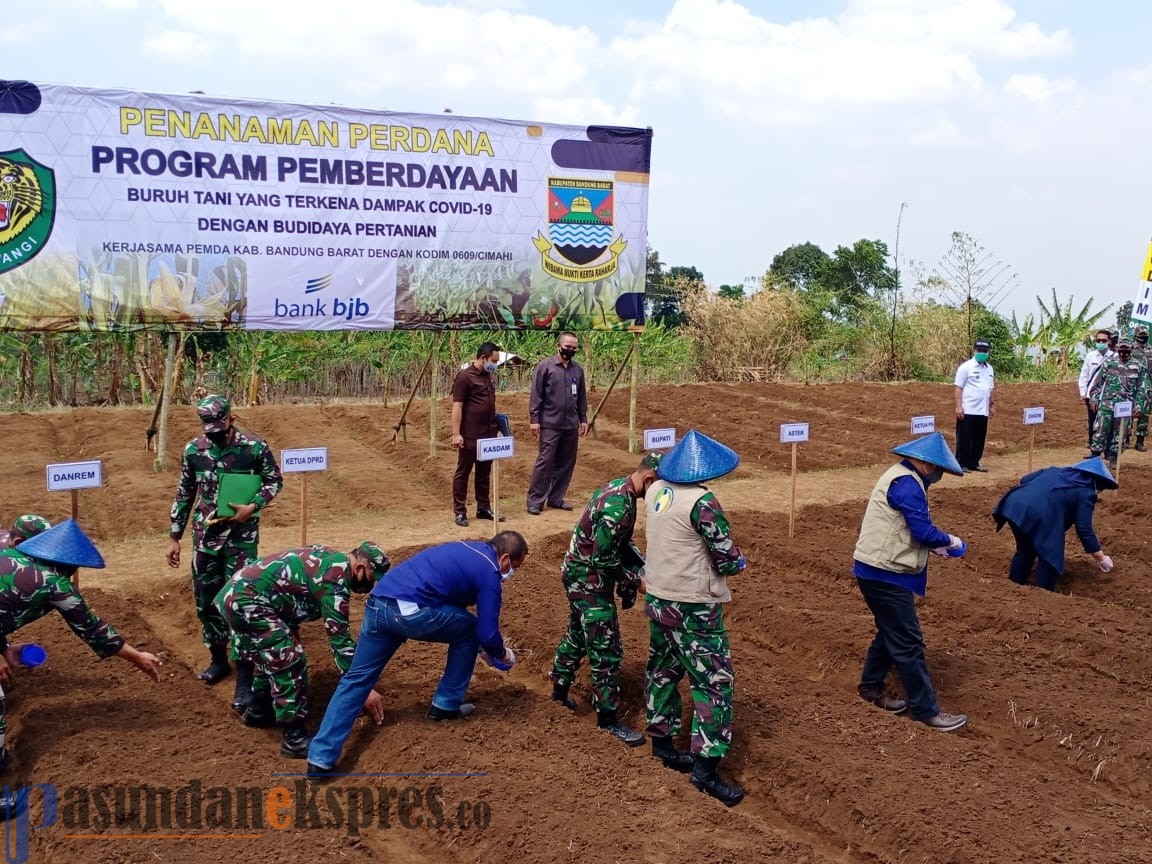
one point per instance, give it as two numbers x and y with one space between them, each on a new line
303 461
794 434
72 477
493 450
1121 411
1033 417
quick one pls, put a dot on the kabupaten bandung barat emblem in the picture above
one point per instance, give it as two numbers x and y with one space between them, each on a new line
580 245
27 208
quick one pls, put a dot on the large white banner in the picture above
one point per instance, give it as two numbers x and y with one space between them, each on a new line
123 209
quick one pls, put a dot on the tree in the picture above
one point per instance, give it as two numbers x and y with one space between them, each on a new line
1124 318
731 292
968 275
665 291
1028 336
857 275
1064 329
802 266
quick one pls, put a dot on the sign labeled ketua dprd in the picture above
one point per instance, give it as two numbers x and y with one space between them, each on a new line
304 459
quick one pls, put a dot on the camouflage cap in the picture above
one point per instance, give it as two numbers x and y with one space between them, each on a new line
652 460
214 412
376 557
29 525
1124 343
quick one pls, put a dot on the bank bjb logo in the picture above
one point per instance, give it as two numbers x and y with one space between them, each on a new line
580 245
663 500
349 309
18 827
27 208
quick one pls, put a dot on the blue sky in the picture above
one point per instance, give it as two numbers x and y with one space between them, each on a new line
1020 122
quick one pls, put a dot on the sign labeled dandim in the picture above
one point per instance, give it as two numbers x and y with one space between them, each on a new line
1033 416
124 209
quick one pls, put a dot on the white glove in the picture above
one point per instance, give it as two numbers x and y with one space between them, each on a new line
956 542
503 664
1105 564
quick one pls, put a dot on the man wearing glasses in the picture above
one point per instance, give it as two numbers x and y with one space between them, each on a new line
558 417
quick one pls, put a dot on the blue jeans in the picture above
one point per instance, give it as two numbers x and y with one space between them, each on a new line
385 630
899 642
1021 567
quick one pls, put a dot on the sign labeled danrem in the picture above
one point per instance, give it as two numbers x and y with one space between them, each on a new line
75 475
304 459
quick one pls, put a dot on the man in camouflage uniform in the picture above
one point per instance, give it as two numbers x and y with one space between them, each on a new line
220 547
1119 380
264 604
1142 355
601 558
26 527
690 555
35 579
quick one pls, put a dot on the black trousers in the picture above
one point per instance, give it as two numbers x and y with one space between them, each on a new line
1091 422
970 435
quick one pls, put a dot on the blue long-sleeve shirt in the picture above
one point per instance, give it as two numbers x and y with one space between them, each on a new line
463 573
906 496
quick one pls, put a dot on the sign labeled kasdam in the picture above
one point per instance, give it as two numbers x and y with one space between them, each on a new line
128 210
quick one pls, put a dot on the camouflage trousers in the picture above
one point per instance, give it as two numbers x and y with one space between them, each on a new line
593 631
692 638
1106 433
262 638
210 571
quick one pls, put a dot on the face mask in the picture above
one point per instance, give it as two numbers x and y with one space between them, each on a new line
981 356
491 367
505 575
1124 355
1142 338
935 476
1101 347
218 438
567 353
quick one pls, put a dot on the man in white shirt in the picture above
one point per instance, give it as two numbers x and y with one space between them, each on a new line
1096 357
975 403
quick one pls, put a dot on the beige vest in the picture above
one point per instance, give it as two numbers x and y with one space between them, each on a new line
677 564
885 540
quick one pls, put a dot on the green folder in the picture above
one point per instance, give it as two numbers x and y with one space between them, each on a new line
238 488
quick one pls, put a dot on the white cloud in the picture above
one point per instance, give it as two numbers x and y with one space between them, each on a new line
1037 88
178 46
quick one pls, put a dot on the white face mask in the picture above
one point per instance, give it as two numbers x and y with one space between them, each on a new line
505 575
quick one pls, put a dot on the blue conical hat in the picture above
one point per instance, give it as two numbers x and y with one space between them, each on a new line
1094 466
932 449
697 458
65 543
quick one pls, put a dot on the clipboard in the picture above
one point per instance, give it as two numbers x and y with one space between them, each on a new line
240 488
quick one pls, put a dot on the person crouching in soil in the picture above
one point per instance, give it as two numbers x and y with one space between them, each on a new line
891 569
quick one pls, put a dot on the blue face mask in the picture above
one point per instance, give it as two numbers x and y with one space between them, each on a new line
1101 347
491 367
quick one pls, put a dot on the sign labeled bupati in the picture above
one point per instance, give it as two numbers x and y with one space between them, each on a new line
659 439
488 449
793 433
75 475
1033 416
132 210
304 459
1122 410
924 424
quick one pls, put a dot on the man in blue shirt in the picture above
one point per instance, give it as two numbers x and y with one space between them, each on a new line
427 598
891 568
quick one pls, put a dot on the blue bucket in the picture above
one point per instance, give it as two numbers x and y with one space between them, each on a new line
32 655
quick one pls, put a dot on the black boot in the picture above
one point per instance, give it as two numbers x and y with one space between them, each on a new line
294 741
560 694
664 750
1140 444
242 696
218 669
705 778
13 799
607 721
260 714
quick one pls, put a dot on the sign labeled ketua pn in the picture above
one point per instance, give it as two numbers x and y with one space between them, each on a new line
1120 410
659 439
793 433
924 425
75 475
488 449
1033 416
304 459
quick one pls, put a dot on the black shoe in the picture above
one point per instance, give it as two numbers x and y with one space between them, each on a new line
979 468
295 740
882 700
608 722
316 774
563 505
1140 444
533 511
242 696
487 514
560 694
461 520
705 778
666 752
465 710
260 714
218 669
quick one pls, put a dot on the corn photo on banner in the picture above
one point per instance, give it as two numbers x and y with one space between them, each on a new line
128 210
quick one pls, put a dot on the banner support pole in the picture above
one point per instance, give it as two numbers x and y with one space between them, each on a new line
165 404
604 398
415 386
